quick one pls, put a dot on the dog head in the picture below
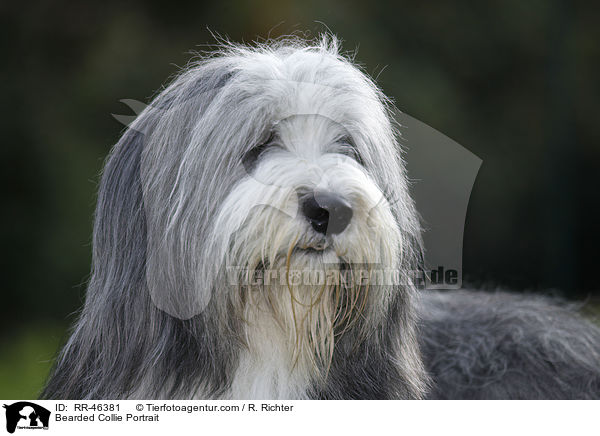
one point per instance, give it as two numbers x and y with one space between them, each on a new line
278 156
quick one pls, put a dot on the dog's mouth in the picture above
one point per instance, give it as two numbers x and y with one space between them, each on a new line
322 254
313 247
311 250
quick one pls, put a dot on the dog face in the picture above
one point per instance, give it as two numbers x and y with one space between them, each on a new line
268 160
307 199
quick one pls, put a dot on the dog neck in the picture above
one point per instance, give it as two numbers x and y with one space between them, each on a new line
289 340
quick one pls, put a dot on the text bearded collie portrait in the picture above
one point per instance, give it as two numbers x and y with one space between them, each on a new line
255 238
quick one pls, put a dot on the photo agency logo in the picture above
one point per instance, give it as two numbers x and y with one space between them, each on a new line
318 233
348 275
25 415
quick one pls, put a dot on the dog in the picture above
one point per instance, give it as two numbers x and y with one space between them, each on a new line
243 223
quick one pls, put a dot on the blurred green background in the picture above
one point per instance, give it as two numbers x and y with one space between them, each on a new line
517 83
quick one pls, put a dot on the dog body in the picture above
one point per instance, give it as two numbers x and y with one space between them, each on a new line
255 238
482 345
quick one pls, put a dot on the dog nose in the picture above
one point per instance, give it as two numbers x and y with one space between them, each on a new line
327 213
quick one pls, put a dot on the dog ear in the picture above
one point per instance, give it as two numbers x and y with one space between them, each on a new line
177 187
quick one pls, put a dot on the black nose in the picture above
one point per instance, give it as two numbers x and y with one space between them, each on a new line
327 213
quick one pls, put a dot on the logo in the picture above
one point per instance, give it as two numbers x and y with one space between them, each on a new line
26 415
